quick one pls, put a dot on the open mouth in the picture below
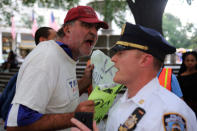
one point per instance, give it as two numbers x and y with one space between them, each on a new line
90 42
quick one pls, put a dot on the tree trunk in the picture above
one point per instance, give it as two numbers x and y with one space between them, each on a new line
148 13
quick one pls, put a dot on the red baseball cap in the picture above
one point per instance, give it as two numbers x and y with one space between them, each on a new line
85 14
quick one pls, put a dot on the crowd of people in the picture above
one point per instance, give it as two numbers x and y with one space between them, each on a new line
47 90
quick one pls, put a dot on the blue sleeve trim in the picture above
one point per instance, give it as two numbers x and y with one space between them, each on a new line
5 125
27 116
175 86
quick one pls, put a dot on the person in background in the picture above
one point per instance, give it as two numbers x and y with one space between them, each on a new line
187 78
44 34
11 62
169 81
47 90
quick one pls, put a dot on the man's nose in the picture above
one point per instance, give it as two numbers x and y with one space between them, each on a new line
93 33
94 30
113 59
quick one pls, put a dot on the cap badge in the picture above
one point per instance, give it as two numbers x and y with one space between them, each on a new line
123 28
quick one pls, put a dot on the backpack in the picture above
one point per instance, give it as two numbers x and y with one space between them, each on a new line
7 96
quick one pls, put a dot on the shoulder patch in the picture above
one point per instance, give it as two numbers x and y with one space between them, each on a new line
174 122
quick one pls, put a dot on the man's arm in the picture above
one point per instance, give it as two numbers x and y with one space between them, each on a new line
86 80
176 89
55 121
47 122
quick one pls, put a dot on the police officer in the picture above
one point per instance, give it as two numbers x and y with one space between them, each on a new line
146 105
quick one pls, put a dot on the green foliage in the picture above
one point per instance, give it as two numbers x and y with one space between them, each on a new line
8 7
63 4
27 20
40 20
119 18
178 35
194 39
111 10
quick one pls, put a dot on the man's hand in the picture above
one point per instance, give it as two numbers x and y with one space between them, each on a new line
88 71
86 106
81 127
86 80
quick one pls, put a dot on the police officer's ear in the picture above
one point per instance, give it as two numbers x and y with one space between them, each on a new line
146 60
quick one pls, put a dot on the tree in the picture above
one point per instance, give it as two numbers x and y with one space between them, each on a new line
27 20
149 13
58 4
9 7
193 44
111 10
178 35
174 32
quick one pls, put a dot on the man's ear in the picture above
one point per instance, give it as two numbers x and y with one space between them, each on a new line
66 29
42 39
146 59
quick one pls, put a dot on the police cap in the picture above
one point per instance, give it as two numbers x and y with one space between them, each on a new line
144 39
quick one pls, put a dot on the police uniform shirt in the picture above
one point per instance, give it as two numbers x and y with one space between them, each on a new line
163 110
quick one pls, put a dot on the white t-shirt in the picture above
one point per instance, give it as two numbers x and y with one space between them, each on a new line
157 103
47 81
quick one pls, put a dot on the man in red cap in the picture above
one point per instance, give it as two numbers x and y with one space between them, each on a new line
47 90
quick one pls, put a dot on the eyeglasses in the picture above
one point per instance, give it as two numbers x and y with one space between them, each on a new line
90 25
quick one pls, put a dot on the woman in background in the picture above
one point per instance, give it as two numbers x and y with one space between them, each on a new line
11 62
187 78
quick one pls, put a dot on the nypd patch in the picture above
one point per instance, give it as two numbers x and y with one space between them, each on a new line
174 122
